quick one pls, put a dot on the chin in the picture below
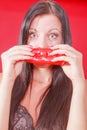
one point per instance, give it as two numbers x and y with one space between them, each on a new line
42 65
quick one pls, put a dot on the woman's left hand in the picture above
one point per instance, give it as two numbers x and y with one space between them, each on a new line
74 70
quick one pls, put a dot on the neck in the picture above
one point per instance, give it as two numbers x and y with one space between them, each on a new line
42 75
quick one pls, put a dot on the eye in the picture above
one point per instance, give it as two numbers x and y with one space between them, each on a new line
53 36
33 35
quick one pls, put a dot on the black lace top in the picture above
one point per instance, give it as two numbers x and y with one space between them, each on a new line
22 119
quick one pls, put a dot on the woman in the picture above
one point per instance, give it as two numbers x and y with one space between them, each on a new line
43 96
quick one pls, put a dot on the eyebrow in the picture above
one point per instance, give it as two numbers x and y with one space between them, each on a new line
55 29
48 31
33 29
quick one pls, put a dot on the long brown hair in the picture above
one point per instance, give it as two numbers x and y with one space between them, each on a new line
55 107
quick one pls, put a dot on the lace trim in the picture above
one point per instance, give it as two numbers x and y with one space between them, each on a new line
22 119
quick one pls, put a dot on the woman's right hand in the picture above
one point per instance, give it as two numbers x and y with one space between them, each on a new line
12 61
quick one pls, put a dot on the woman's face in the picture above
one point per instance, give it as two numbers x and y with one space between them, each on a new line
45 31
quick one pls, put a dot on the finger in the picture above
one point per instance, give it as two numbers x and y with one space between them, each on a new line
65 52
16 55
18 51
67 49
62 58
23 52
15 59
62 46
20 47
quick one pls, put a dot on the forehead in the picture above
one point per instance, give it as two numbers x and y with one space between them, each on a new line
46 22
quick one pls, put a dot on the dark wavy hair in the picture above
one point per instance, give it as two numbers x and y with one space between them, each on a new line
55 107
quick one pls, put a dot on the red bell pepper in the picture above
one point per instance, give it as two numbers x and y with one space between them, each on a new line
41 56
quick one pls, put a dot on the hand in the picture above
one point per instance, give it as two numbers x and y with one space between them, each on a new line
12 60
75 68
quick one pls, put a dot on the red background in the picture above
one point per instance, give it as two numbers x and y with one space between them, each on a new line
13 11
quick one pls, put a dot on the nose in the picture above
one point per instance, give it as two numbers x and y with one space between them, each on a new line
41 42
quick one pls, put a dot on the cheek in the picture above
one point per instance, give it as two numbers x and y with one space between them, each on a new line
57 41
30 42
60 40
